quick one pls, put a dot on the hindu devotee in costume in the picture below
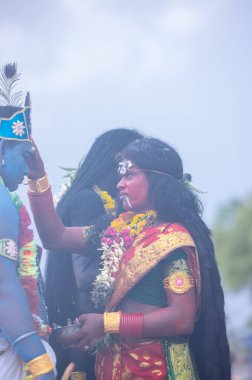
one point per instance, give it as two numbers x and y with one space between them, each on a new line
23 320
159 280
88 197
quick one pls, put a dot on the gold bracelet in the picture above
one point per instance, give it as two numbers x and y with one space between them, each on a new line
39 185
40 365
78 376
112 322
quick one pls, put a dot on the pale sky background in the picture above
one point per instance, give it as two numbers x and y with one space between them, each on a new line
177 70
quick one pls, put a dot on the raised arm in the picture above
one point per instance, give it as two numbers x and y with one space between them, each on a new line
53 234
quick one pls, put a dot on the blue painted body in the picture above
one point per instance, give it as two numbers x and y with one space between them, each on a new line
15 317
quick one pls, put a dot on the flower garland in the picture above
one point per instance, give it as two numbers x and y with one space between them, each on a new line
28 267
65 186
109 203
118 237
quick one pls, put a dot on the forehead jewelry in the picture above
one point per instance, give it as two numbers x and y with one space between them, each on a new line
154 171
124 166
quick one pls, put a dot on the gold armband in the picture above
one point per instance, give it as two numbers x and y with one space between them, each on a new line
39 366
40 185
87 232
111 322
179 282
8 248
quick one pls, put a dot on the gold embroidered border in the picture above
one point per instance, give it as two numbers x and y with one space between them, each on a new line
147 257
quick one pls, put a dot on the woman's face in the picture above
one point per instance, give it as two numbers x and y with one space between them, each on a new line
134 189
16 164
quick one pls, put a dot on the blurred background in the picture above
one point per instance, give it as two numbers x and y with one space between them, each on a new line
176 70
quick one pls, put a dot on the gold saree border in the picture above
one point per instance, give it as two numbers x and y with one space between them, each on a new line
167 239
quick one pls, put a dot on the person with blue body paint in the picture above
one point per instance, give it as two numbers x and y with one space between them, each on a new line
24 351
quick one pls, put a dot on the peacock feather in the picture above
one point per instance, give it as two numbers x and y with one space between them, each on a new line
8 81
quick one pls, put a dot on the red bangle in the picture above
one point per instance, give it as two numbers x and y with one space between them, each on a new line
41 202
131 325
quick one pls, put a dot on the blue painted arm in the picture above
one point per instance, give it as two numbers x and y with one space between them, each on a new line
15 317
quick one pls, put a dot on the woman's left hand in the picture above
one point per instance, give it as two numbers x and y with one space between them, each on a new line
92 329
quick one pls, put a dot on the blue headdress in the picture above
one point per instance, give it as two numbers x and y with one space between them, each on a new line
15 119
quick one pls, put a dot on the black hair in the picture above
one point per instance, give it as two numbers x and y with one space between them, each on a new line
100 160
98 167
175 202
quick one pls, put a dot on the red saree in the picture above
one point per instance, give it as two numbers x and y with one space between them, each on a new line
167 358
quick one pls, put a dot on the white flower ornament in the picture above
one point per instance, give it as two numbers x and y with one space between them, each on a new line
18 128
124 166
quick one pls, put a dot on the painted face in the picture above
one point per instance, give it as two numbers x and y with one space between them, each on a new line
133 188
16 168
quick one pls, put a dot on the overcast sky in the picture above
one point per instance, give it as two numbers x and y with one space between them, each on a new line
178 70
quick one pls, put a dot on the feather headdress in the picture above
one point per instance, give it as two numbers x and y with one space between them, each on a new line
8 81
15 121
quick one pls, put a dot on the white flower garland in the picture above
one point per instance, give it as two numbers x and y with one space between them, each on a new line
116 240
104 282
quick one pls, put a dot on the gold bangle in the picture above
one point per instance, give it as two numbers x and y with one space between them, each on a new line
40 365
39 185
112 322
78 376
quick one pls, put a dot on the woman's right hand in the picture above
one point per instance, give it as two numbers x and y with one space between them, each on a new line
35 163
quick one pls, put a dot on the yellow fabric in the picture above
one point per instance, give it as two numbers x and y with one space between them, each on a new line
40 365
180 364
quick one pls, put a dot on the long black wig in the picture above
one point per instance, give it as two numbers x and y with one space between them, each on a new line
99 167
